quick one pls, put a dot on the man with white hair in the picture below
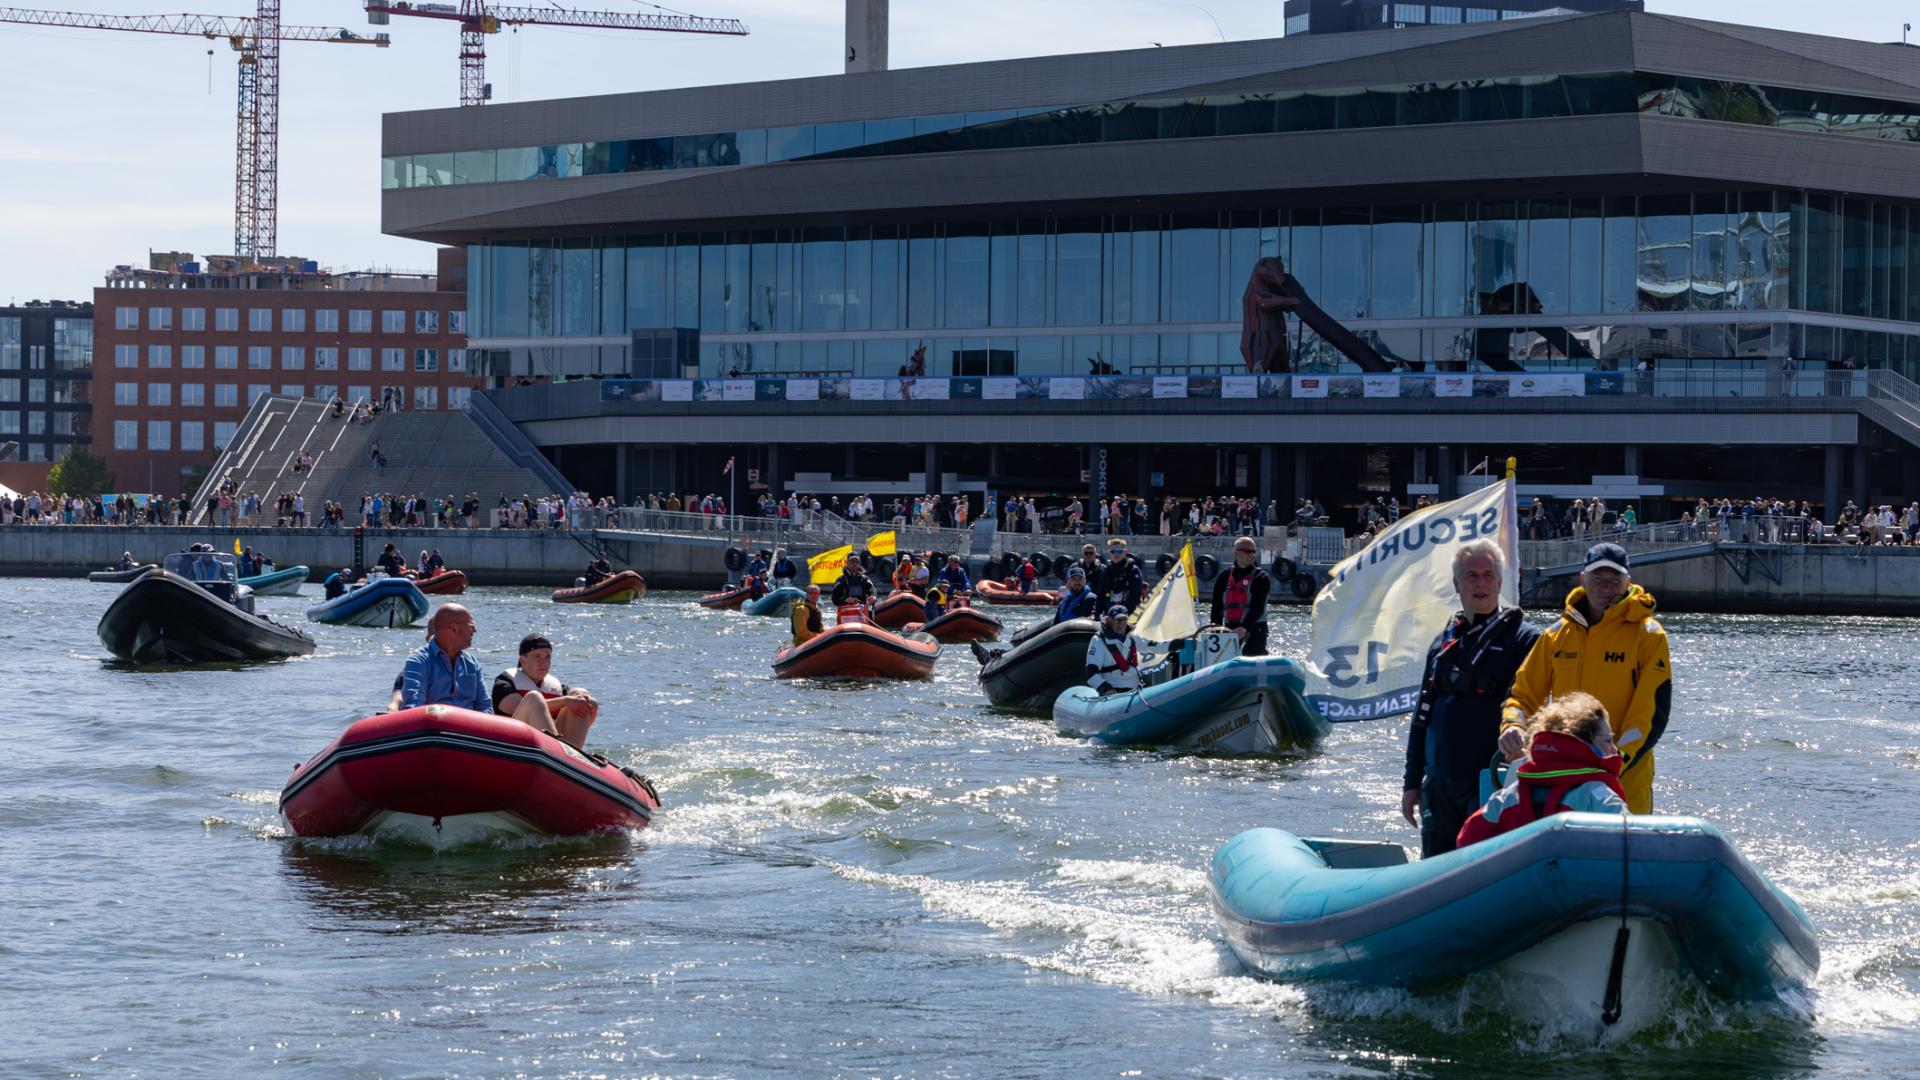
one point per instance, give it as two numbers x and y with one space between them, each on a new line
1456 721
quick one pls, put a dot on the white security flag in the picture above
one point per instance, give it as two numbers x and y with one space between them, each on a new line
1383 606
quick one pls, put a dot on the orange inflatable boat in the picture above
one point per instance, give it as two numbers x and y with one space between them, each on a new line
897 610
856 649
963 624
1008 592
622 588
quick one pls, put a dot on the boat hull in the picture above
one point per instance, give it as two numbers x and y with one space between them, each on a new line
775 603
964 624
385 602
1246 705
1045 660
1539 898
279 583
895 610
444 583
445 773
725 600
995 593
120 577
622 588
163 618
859 651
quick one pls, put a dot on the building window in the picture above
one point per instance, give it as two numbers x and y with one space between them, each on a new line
457 396
223 433
360 321
159 356
126 356
36 423
359 359
159 434
326 358
325 392
293 320
256 391
159 318
193 318
426 359
37 391
1298 24
159 393
260 319
126 393
293 358
226 318
225 395
426 397
326 321
260 357
426 322
192 435
393 322
193 356
193 395
1478 15
456 359
126 434
1410 13
9 389
226 356
356 394
393 359
456 322
293 390
10 343
9 423
1443 14
126 318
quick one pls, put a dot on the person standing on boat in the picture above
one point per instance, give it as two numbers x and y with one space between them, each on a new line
783 568
1456 719
1090 562
953 578
805 614
1121 581
599 570
1077 602
442 672
1240 598
1113 656
854 586
1607 643
530 694
391 562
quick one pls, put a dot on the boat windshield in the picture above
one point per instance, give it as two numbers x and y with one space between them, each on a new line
203 566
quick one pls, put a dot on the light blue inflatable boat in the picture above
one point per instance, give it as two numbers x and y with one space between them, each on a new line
1543 902
277 583
774 603
382 601
1245 705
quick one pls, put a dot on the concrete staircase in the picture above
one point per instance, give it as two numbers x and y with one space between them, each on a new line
428 453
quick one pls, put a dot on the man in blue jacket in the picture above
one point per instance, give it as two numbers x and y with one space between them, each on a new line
1077 602
1456 721
1121 580
953 578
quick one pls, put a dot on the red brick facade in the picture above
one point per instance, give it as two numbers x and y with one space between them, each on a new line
177 361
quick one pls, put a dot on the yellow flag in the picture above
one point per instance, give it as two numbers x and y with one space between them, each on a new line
1167 613
882 543
237 549
1186 567
824 568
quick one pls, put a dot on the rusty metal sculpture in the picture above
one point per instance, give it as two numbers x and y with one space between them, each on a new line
1271 294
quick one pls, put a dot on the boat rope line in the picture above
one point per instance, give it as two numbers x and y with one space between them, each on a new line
1616 969
447 740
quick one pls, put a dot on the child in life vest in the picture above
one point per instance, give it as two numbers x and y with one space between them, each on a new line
1571 764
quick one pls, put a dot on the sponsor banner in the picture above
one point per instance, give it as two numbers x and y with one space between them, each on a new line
999 389
1387 386
1066 389
1606 382
1555 384
1450 384
1382 606
803 389
1239 386
1169 386
867 389
1310 386
736 390
676 390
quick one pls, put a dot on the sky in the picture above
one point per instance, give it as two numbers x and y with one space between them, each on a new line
115 144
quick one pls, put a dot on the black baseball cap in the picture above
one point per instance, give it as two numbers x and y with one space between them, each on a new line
532 642
1607 557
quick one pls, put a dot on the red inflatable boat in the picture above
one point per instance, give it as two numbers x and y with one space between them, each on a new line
622 588
963 624
1008 592
854 649
448 774
725 599
897 610
444 583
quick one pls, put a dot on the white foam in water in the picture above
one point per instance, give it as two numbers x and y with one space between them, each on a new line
1161 876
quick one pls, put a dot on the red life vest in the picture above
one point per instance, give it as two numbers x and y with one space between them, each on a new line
1556 764
1239 598
1121 663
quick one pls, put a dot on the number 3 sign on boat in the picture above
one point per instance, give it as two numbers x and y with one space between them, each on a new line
1384 604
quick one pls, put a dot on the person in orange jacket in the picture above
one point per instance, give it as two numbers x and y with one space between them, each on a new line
1607 643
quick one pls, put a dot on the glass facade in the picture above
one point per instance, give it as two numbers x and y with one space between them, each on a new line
1525 282
1252 113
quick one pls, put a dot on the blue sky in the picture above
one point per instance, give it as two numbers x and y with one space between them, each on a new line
112 144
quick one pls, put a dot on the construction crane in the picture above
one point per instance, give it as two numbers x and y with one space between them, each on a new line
477 19
256 179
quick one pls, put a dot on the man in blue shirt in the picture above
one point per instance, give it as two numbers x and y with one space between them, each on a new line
440 672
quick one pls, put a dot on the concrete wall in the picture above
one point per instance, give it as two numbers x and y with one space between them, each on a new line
489 557
1814 580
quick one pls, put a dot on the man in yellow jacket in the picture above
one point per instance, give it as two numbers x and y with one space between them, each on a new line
1608 644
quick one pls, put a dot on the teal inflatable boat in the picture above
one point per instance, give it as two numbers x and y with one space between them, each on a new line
1245 705
774 603
277 583
1547 901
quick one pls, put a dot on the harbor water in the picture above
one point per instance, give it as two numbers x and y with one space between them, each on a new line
851 880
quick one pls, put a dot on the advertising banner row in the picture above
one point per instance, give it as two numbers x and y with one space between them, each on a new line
1118 387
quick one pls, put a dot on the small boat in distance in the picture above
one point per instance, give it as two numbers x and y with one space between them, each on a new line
622 588
381 601
117 576
194 610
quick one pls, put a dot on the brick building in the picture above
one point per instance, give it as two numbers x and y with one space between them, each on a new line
185 348
46 373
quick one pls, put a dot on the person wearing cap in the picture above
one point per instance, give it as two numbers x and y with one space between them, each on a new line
1121 581
1456 718
953 578
1090 562
1113 656
1606 643
854 586
337 583
805 614
1240 598
530 694
783 568
1077 601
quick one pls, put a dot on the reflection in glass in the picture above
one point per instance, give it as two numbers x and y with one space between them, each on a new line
966 279
1494 259
1193 270
1666 253
1077 284
1548 287
1709 273
823 280
1397 260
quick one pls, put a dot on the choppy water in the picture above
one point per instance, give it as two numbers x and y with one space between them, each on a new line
873 880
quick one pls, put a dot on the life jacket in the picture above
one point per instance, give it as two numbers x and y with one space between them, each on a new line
1238 601
1074 605
1120 663
1556 764
548 687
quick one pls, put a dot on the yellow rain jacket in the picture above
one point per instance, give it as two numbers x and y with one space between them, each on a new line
805 616
1623 661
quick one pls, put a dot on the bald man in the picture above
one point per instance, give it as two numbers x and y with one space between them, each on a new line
441 672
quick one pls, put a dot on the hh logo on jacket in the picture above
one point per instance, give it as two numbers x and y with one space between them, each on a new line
1615 657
